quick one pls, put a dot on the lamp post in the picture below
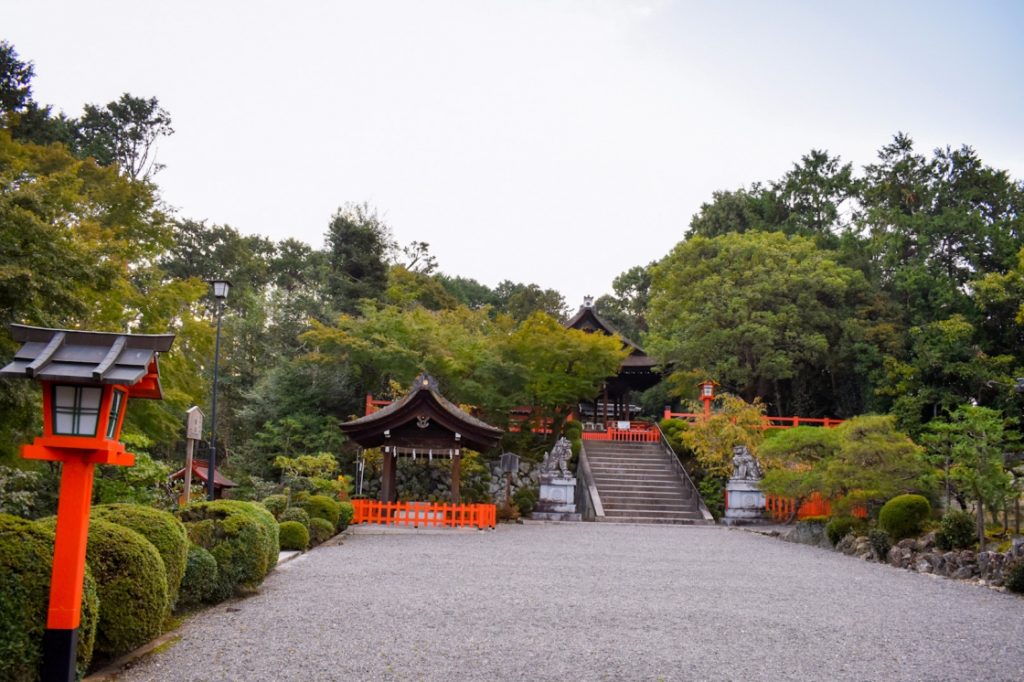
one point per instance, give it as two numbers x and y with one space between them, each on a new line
707 394
220 292
86 380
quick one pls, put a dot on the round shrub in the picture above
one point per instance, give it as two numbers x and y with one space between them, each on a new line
200 580
159 527
322 507
294 536
26 563
266 520
276 504
132 586
295 514
838 528
956 531
346 513
1014 576
902 516
320 531
525 500
236 538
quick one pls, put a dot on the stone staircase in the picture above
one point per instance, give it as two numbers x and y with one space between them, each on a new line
638 483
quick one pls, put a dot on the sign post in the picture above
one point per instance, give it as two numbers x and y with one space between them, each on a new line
193 433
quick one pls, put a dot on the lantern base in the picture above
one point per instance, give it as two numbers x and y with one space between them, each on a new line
59 650
63 448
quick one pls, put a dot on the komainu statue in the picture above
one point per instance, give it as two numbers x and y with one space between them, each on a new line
744 466
558 459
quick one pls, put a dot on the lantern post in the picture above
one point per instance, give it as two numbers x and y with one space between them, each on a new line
707 394
86 380
221 287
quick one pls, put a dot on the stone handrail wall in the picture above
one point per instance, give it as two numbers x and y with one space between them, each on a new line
685 477
588 500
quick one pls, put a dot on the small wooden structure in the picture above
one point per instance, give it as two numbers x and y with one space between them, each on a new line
422 424
201 471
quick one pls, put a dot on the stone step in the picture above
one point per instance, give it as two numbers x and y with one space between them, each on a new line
654 513
635 478
640 486
651 519
631 498
651 505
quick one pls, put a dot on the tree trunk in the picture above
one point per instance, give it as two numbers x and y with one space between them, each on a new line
981 525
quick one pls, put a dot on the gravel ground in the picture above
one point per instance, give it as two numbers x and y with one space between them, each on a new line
596 602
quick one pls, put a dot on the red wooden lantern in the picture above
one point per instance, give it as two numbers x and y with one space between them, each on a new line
86 378
707 394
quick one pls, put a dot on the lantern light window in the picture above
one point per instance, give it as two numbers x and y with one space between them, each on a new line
116 407
76 410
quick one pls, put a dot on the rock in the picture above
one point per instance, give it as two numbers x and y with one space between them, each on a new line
963 573
906 543
866 556
984 563
925 542
966 557
923 566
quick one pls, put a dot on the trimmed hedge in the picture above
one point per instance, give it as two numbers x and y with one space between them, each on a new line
294 536
26 563
346 513
162 529
276 504
839 527
904 515
1014 579
237 538
322 507
200 580
132 586
294 514
320 531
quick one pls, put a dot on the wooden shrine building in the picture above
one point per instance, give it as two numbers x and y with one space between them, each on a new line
636 373
422 424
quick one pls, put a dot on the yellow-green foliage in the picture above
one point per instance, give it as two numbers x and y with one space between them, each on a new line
276 504
26 563
735 422
295 514
159 527
348 512
266 520
294 536
322 507
320 531
132 586
200 579
237 539
321 465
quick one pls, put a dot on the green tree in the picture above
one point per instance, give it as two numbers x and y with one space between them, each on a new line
359 247
975 440
520 301
626 308
734 422
124 132
759 311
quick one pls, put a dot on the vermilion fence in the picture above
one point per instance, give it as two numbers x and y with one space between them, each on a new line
638 432
426 514
766 421
781 508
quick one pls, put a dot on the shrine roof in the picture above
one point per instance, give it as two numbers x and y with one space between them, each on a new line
424 400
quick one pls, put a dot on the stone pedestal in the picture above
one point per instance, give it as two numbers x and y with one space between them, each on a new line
746 503
557 499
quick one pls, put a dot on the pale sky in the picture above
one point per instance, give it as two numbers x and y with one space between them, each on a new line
551 142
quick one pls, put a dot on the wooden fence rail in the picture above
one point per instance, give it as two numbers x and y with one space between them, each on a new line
766 421
781 508
424 514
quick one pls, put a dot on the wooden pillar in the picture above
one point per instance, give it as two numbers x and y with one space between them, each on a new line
388 478
456 477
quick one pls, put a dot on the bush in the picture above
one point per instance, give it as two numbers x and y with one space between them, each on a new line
276 504
159 527
320 531
294 536
839 527
346 513
267 521
26 563
132 586
1014 576
237 539
200 580
525 500
322 507
903 516
956 531
295 514
880 543
508 512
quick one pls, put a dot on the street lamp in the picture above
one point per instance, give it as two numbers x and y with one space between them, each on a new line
220 292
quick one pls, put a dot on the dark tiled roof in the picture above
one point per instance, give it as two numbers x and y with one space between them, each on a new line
201 470
84 357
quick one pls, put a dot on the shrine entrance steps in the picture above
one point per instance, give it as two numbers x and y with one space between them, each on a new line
638 483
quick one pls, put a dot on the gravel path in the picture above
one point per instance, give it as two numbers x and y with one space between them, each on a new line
596 602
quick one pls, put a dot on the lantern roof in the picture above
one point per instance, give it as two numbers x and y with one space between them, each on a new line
88 357
422 418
